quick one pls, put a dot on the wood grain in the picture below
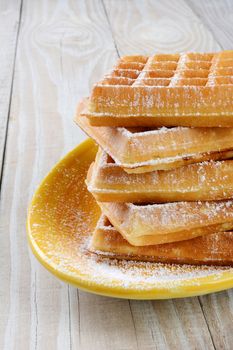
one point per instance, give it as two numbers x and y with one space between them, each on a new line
217 16
218 311
63 48
105 323
9 28
157 26
170 324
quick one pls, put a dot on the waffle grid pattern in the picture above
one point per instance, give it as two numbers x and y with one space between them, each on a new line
172 70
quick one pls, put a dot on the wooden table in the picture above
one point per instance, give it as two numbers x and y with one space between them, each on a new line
51 54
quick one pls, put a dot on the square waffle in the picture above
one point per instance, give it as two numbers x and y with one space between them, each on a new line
190 89
215 248
143 225
141 150
205 181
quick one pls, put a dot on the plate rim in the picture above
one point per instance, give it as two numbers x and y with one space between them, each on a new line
185 288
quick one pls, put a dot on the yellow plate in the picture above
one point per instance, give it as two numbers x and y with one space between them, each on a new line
61 219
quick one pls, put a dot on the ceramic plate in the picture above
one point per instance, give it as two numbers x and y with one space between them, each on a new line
61 219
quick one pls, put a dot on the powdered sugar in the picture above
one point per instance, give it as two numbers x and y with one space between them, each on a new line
191 84
147 275
61 228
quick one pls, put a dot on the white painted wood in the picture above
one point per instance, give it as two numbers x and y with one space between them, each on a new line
9 25
157 26
170 324
105 323
217 16
218 310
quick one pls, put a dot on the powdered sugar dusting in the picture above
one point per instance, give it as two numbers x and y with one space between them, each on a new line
196 84
146 274
62 220
162 148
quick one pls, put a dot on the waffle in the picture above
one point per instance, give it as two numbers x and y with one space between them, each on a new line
153 224
141 150
191 89
211 249
201 181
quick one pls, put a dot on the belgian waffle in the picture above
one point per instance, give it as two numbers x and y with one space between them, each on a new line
191 89
215 248
201 181
141 150
153 224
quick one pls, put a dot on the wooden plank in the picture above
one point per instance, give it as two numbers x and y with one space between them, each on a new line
105 323
217 17
218 310
9 26
170 324
63 48
151 26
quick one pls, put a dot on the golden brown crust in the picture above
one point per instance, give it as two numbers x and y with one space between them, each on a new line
211 249
206 181
153 224
139 150
192 90
188 89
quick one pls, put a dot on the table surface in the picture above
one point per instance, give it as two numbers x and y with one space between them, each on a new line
51 54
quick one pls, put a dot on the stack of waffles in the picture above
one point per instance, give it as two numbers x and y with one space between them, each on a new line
163 175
